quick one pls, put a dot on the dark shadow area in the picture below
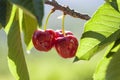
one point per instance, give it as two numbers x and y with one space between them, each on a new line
114 4
92 34
113 37
3 10
117 43
110 54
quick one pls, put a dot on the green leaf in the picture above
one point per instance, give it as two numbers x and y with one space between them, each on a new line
118 2
112 38
9 11
108 68
34 7
5 9
29 25
114 4
0 26
16 59
12 15
98 31
116 46
106 0
113 69
100 72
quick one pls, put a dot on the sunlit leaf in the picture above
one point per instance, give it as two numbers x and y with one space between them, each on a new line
114 4
116 46
98 31
34 7
29 25
113 69
100 72
118 2
16 59
108 68
11 18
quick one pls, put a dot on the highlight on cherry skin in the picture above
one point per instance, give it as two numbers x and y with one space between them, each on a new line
43 40
59 33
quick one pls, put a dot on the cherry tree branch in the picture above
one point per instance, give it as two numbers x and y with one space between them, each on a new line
66 10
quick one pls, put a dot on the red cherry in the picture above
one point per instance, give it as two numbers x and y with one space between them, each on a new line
66 46
43 40
58 33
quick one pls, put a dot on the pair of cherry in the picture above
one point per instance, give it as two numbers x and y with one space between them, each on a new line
65 43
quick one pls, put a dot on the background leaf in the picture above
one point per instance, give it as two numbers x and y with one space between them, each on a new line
29 25
16 59
102 25
5 10
34 7
0 26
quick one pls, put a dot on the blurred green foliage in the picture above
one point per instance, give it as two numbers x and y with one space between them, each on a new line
50 66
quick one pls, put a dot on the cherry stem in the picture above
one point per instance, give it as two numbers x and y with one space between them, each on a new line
46 22
63 24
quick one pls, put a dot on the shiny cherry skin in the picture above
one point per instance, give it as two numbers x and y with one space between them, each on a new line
58 33
43 40
66 46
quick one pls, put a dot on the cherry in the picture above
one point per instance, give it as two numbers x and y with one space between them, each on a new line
58 33
66 46
43 40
